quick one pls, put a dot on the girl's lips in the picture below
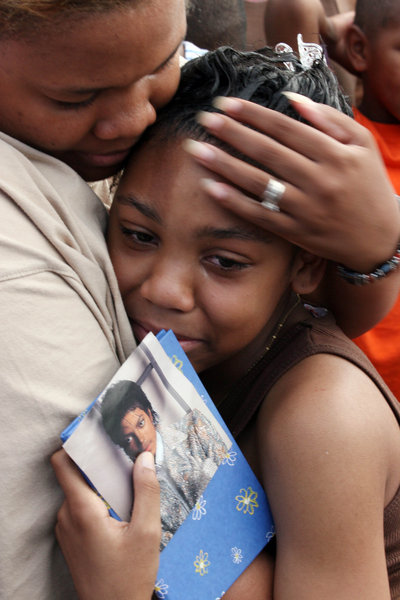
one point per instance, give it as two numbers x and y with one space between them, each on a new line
140 331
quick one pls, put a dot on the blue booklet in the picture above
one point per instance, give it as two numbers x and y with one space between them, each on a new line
214 512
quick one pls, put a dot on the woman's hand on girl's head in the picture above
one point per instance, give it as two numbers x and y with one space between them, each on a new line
338 202
108 558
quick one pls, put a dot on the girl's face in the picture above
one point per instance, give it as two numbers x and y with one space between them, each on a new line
186 264
87 90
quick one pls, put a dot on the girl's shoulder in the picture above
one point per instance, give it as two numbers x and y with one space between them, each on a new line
325 407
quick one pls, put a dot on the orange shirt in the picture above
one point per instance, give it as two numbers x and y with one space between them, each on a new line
382 343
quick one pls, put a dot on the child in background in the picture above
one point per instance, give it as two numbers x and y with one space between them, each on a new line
318 425
373 49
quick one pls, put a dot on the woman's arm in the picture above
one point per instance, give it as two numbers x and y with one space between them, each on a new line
356 308
338 202
108 558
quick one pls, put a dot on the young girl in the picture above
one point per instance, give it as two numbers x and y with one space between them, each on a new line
316 422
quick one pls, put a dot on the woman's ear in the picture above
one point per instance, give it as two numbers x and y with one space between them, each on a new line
357 49
308 270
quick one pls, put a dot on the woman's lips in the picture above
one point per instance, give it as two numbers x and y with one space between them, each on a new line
105 160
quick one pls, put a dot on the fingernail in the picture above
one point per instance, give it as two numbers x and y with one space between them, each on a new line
299 98
146 460
198 150
215 189
227 104
210 120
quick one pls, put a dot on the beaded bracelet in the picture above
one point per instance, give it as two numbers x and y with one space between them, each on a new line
384 269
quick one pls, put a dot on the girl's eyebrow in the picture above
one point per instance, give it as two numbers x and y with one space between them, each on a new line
221 233
237 232
146 210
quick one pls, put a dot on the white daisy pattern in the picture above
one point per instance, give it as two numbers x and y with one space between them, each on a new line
161 589
237 555
199 509
229 458
270 534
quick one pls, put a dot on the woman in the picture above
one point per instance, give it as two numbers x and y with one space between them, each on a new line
81 81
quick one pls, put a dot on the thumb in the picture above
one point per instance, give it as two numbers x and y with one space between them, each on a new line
146 520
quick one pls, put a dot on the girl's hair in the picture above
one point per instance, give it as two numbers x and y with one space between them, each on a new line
260 77
26 16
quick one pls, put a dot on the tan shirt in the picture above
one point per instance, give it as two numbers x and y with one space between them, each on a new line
63 333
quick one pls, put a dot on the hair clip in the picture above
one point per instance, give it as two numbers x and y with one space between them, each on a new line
308 52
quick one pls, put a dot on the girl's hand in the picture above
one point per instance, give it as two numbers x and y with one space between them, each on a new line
338 202
109 558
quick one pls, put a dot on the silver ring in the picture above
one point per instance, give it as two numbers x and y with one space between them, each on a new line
272 195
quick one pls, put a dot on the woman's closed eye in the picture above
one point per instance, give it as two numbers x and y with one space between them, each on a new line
76 105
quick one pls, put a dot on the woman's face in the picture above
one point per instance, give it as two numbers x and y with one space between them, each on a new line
139 433
87 90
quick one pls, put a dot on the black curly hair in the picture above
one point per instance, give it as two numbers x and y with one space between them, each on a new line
259 77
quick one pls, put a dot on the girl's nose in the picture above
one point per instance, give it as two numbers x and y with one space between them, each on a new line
170 286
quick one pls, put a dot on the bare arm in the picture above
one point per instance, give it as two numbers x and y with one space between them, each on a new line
370 303
306 17
338 201
327 471
108 558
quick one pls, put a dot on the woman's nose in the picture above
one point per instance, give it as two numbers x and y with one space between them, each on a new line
126 113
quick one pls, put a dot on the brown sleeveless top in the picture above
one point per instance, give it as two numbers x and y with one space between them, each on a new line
305 338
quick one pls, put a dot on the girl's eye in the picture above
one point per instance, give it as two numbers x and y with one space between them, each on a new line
227 264
138 236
